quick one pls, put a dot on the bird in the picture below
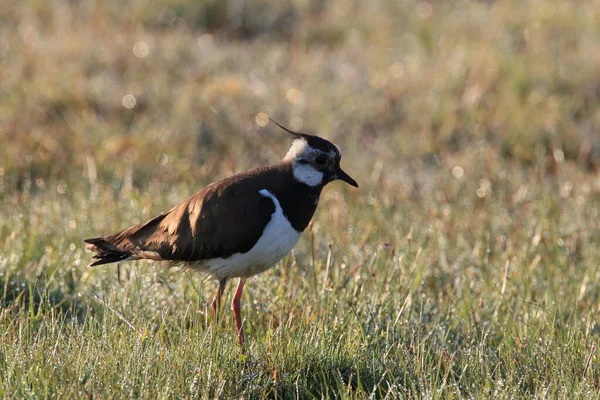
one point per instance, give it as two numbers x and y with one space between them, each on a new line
236 227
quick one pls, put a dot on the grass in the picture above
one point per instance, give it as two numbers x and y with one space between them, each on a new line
466 265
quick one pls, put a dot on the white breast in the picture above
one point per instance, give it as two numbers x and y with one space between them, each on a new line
278 238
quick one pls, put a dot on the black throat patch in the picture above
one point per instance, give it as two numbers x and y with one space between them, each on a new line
299 202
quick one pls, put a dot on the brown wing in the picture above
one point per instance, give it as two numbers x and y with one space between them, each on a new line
224 218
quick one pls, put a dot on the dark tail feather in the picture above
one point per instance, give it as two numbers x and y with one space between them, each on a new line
106 253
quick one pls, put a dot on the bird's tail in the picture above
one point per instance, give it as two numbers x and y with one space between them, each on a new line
106 252
130 244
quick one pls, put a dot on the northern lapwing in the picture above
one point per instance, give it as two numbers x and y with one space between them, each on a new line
239 226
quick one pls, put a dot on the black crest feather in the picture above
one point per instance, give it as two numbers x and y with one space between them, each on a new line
315 142
295 135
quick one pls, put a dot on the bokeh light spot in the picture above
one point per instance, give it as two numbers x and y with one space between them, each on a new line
293 95
205 41
262 119
458 172
129 101
162 159
424 10
559 155
296 123
397 70
141 49
547 10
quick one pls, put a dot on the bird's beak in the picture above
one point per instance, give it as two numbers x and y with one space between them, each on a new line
341 175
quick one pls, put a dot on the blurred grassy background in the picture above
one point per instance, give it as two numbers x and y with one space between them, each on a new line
465 265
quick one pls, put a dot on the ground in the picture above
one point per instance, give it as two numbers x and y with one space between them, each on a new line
466 264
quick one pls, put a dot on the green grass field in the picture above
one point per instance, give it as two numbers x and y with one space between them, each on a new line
466 265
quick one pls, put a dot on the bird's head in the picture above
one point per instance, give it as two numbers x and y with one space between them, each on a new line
315 161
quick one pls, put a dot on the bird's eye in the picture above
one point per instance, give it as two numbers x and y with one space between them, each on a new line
322 159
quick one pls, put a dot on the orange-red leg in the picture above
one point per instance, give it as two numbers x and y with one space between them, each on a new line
216 303
237 312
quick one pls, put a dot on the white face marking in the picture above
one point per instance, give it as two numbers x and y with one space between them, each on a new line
277 240
307 174
299 147
304 173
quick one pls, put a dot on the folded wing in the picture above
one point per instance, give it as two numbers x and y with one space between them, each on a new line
222 219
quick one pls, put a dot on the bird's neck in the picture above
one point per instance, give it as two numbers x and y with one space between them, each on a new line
299 202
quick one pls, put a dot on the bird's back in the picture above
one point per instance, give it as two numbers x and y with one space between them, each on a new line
218 221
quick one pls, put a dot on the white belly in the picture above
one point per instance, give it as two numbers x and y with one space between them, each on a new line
278 238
